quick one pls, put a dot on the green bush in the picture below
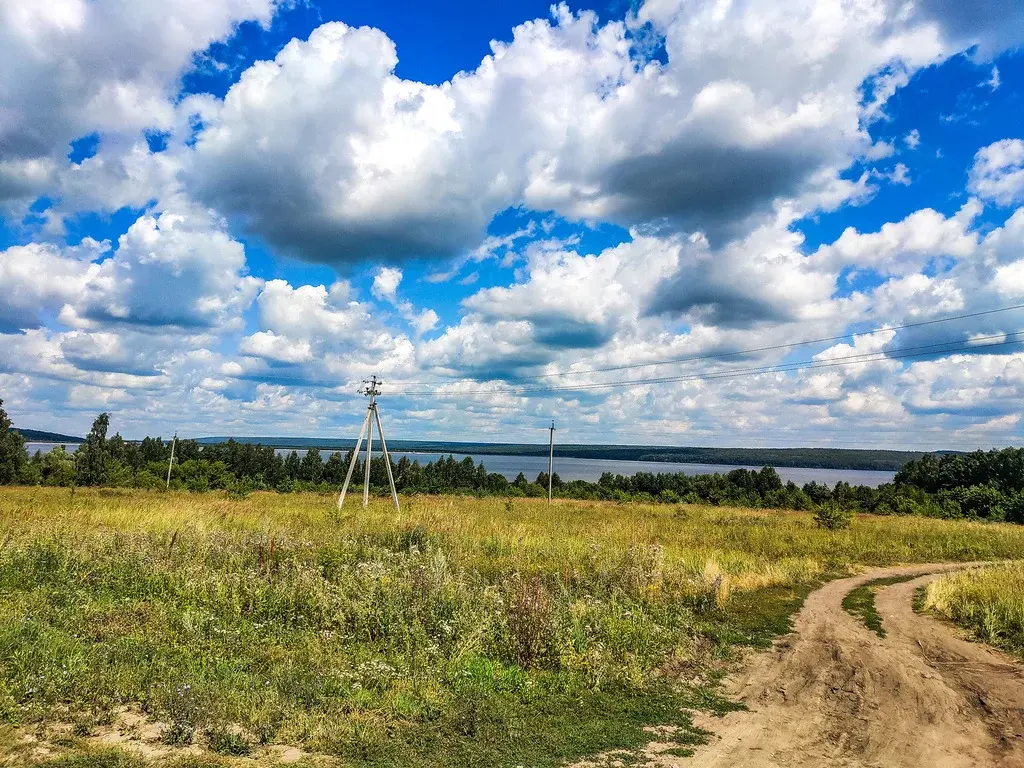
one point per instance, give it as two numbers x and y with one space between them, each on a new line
833 517
239 488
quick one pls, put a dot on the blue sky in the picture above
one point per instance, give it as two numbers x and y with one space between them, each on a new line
220 219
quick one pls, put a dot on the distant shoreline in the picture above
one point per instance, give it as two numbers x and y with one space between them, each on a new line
809 458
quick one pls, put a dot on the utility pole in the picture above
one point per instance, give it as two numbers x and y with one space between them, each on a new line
371 390
551 459
171 462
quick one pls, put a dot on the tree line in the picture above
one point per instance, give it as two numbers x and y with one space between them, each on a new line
980 485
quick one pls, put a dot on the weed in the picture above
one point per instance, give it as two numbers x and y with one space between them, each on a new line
530 620
225 741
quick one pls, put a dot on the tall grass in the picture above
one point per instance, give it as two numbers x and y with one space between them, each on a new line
459 632
989 602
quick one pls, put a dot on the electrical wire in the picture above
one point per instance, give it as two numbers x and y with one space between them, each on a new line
924 350
719 355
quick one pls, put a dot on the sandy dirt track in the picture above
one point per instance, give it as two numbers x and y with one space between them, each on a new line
834 694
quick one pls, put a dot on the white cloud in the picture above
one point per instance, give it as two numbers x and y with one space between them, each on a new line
906 246
176 268
425 321
279 349
80 66
385 283
39 277
564 118
912 139
998 172
900 174
994 82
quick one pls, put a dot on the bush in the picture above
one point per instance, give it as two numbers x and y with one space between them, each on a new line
1014 508
239 488
146 479
833 517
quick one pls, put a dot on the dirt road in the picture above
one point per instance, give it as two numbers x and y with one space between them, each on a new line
835 694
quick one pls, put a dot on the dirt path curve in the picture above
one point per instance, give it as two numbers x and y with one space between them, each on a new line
834 694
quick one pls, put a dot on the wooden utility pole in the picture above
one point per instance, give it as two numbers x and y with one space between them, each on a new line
171 462
371 390
551 460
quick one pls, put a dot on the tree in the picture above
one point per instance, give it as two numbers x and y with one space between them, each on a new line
58 467
334 469
311 469
293 466
91 458
12 450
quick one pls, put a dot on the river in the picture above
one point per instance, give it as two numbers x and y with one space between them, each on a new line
592 469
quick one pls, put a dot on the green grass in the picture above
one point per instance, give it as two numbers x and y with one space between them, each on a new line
988 602
460 632
860 602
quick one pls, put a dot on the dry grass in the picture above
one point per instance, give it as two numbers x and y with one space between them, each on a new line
989 602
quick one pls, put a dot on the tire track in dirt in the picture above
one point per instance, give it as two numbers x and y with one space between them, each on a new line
832 693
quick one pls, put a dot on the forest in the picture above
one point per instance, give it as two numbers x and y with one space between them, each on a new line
980 485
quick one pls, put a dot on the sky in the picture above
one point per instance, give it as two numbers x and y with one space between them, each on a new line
688 222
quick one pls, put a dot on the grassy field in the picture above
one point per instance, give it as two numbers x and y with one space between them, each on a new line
460 632
989 602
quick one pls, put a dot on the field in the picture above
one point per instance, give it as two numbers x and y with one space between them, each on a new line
194 629
988 602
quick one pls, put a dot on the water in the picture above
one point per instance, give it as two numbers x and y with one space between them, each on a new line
592 469
47 447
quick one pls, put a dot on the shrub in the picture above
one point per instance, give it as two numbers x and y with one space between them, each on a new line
833 517
146 479
239 488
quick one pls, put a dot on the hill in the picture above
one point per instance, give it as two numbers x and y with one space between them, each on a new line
39 436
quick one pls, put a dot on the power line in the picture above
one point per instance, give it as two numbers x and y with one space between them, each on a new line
795 432
924 350
718 355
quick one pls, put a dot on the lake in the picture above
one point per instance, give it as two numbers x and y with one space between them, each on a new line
592 469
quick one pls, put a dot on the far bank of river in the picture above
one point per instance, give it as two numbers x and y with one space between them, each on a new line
592 469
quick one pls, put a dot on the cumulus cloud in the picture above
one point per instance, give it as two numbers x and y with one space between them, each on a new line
992 26
998 172
317 336
41 277
905 246
565 301
763 278
385 283
176 268
84 66
565 117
